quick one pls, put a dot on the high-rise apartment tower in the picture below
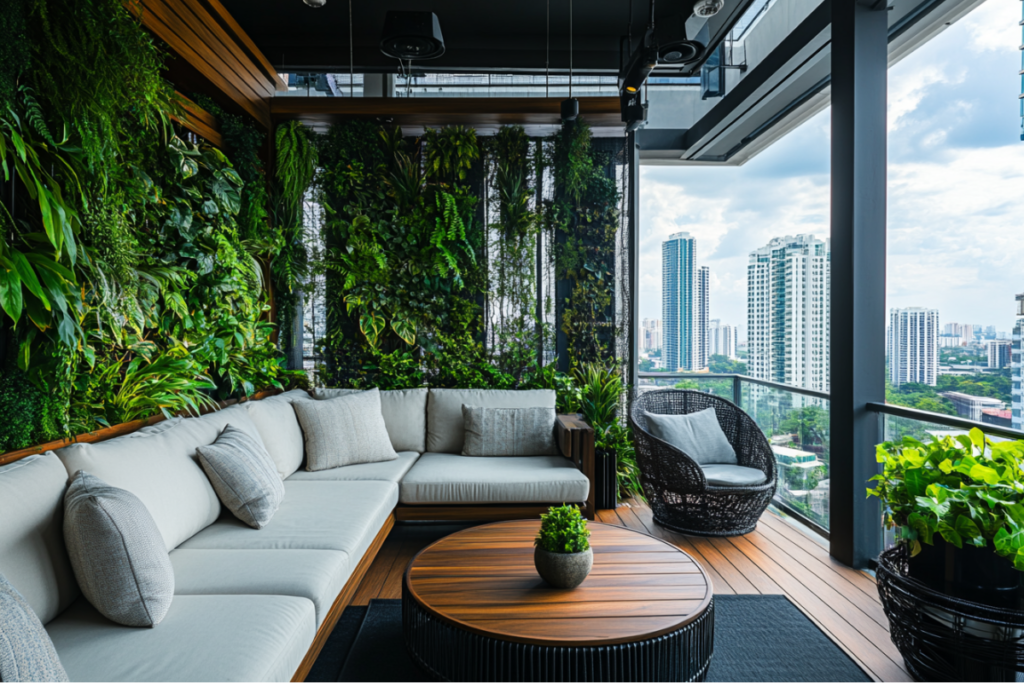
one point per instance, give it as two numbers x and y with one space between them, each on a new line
788 283
679 302
913 346
703 313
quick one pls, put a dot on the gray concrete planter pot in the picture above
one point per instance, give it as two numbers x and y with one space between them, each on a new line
563 570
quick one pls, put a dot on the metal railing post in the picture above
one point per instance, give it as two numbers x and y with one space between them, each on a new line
737 391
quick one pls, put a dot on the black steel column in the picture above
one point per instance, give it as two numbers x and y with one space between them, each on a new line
633 207
857 352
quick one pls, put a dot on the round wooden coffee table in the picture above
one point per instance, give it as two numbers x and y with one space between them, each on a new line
474 609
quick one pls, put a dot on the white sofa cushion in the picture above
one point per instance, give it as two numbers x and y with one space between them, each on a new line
279 429
455 479
389 470
117 552
346 430
243 475
203 638
318 575
405 415
445 424
158 464
26 653
32 553
325 515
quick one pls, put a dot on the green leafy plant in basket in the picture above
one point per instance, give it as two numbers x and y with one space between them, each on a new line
563 530
966 490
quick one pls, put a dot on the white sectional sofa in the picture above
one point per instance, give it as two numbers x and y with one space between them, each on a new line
259 604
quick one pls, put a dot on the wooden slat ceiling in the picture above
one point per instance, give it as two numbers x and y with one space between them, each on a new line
204 34
539 115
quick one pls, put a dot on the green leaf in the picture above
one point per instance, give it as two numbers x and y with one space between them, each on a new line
966 527
28 276
405 329
983 473
10 294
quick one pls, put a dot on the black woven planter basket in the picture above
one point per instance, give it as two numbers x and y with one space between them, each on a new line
679 495
943 638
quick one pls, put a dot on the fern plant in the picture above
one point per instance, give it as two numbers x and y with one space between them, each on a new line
563 530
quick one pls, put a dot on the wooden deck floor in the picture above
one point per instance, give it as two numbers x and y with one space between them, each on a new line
777 558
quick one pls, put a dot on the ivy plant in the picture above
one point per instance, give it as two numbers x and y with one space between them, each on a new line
563 530
965 490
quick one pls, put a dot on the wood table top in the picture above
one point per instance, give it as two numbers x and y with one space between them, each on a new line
483 580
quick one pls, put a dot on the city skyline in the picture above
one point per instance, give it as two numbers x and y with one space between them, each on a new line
954 201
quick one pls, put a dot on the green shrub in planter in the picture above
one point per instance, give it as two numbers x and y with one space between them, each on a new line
966 490
563 530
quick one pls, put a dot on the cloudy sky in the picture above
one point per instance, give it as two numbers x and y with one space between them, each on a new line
956 196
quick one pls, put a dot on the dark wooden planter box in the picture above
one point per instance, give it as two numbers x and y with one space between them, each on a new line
605 483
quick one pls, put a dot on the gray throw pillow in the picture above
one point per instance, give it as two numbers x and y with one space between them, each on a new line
509 431
698 435
347 430
244 476
117 552
26 651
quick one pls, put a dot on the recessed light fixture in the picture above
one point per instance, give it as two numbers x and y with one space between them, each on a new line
708 8
315 3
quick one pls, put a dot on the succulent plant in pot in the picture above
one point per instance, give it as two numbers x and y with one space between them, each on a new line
958 505
563 555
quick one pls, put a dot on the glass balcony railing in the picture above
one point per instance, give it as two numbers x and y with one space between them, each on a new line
796 423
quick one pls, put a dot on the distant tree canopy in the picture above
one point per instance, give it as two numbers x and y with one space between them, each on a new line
724 365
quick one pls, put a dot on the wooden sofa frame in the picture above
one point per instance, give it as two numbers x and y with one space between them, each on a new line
575 440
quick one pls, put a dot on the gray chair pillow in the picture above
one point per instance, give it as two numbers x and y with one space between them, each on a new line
509 431
244 476
117 552
698 435
26 651
348 430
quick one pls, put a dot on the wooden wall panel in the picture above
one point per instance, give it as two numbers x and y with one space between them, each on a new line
204 34
199 121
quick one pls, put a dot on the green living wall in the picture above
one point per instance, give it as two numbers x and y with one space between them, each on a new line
134 260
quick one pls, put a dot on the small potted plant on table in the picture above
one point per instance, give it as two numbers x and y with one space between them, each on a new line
563 555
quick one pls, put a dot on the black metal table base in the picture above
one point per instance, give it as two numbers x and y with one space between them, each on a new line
447 652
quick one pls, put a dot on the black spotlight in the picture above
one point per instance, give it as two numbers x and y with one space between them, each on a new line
638 66
412 35
570 109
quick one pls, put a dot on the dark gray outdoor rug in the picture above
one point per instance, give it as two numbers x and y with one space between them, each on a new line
757 638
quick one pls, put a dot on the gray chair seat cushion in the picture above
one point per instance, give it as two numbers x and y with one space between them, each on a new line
317 575
203 638
32 552
315 515
733 475
389 470
445 478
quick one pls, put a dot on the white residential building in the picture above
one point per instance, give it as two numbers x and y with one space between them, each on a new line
999 353
650 334
913 346
1017 405
702 311
788 312
724 339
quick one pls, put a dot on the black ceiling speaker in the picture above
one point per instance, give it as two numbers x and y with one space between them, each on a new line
674 48
412 35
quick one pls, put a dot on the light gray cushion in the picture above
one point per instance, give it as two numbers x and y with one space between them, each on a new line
347 430
117 552
698 435
733 475
404 411
158 464
445 424
32 553
243 475
315 515
26 653
509 431
318 575
279 429
446 478
389 470
203 638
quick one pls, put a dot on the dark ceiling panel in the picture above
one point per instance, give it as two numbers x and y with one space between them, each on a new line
494 35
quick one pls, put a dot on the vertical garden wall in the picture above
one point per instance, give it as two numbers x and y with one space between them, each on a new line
145 271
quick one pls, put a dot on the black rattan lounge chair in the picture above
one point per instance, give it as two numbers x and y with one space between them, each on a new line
675 485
